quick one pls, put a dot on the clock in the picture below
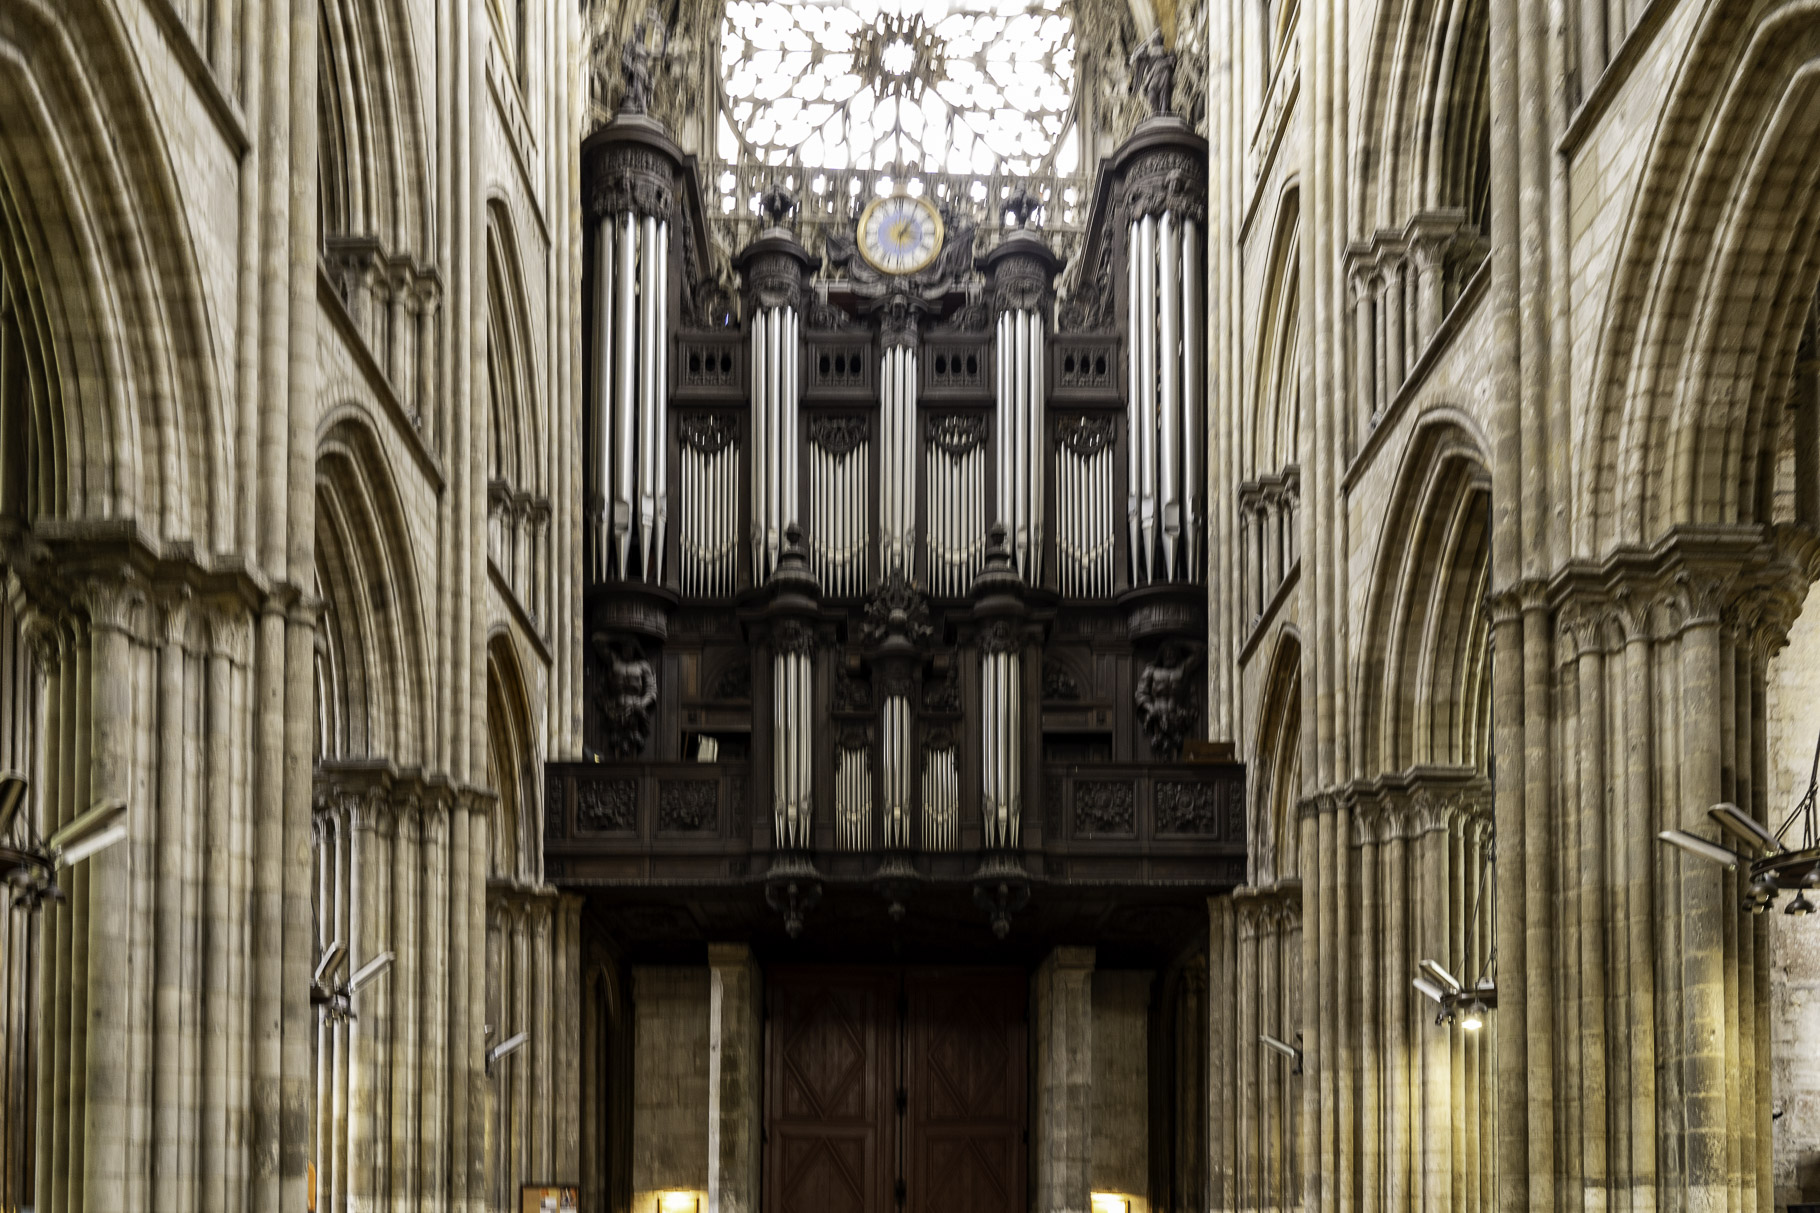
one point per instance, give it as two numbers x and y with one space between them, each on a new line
900 234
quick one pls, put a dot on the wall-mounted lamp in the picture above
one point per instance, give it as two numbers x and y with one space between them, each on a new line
30 864
1292 1052
1783 861
679 1202
1110 1202
1459 1003
506 1048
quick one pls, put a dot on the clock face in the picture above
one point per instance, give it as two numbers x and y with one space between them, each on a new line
900 234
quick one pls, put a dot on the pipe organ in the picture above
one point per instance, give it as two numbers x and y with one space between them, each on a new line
899 631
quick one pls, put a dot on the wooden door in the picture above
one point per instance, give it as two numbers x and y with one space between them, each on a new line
895 1091
833 1075
966 1062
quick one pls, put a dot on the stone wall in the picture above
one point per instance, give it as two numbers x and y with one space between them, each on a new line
1794 713
669 1084
1121 1086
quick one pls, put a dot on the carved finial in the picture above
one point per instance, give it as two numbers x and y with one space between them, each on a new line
793 540
776 204
1153 72
1022 206
635 62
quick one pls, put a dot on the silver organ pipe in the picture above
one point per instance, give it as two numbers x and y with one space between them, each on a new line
941 801
708 542
895 732
954 468
775 437
1166 410
839 469
1001 719
1084 511
898 464
630 397
852 799
1020 407
793 729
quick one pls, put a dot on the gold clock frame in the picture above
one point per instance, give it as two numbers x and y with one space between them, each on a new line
865 216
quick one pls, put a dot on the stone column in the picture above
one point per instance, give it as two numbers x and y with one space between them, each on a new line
734 1074
1063 1021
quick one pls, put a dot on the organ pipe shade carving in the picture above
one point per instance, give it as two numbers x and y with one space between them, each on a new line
775 438
630 397
1165 412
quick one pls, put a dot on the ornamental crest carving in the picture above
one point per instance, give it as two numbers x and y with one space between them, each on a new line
707 433
1059 686
1020 284
837 435
1167 180
1083 435
852 694
793 638
773 279
896 606
632 179
956 433
1000 636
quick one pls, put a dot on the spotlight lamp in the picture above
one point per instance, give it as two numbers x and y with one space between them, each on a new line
30 864
1292 1052
336 998
1786 860
505 1048
1455 1001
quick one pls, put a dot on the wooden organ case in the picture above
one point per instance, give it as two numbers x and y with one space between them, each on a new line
896 584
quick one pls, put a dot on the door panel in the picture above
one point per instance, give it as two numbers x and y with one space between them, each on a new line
839 1051
833 1074
966 1060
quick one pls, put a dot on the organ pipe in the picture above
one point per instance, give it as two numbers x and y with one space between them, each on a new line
898 464
853 799
895 728
793 729
630 396
1001 719
1165 411
941 801
775 438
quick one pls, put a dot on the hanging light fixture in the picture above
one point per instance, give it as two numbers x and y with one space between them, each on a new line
1458 1002
1786 861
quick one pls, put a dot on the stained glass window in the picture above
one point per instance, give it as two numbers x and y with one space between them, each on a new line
955 86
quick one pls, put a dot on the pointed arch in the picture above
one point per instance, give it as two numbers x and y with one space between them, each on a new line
1719 261
1277 763
111 375
514 765
1273 437
1424 685
372 655
374 162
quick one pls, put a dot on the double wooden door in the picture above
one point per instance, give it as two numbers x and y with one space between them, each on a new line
895 1089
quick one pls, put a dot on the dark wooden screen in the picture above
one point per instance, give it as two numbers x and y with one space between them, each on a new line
833 1075
964 1136
883 1082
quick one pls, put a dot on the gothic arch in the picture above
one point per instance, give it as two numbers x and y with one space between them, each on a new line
374 168
1277 762
1424 681
1273 436
1426 124
1719 261
513 389
114 393
513 765
371 655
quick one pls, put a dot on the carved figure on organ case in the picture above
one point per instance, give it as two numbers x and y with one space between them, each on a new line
1153 71
635 62
1166 698
627 695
